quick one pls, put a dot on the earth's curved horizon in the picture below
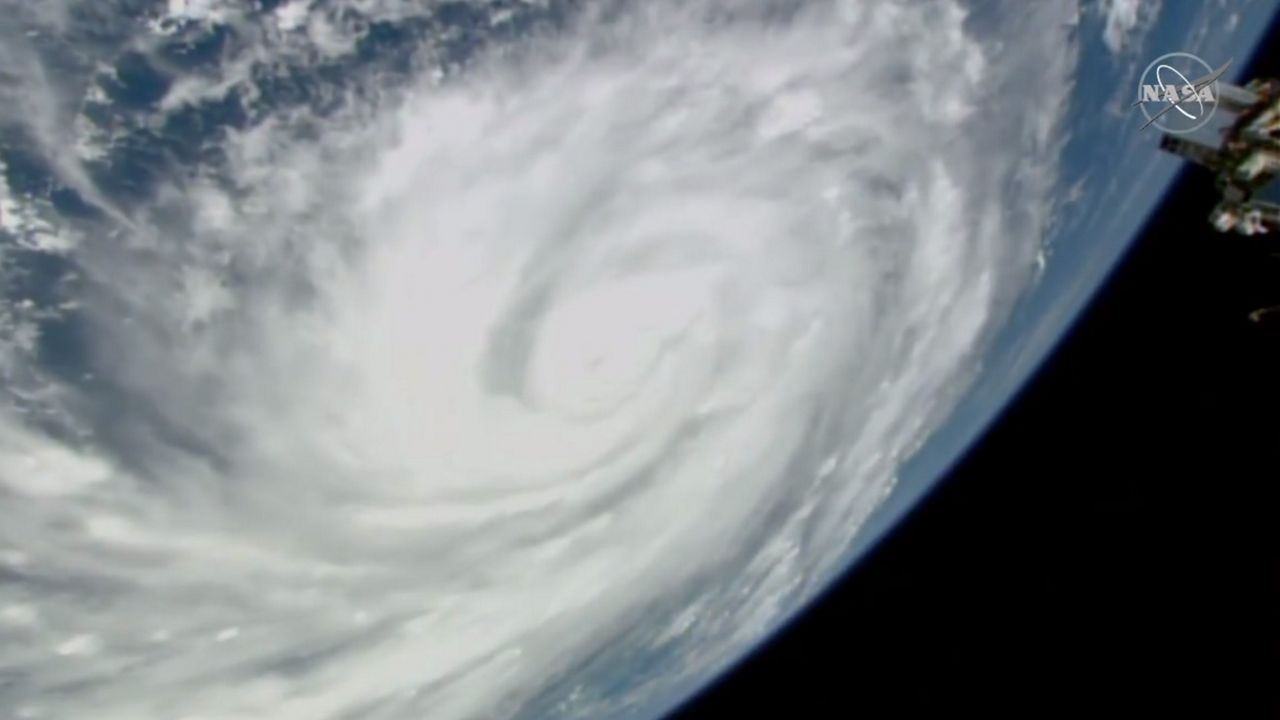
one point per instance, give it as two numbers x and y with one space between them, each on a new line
516 359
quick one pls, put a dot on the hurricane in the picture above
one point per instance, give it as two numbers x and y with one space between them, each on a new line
510 359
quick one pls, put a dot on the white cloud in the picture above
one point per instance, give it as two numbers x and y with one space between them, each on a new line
418 410
1125 20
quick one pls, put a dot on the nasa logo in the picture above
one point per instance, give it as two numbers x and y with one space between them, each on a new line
1178 92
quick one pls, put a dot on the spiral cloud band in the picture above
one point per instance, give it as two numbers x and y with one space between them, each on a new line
532 384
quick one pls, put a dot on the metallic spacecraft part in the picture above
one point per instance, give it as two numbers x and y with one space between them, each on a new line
1247 159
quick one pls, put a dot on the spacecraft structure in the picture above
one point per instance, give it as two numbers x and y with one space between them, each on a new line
1246 161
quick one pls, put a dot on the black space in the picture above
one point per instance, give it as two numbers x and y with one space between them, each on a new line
1109 549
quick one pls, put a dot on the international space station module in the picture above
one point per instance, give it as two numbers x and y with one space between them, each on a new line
1247 161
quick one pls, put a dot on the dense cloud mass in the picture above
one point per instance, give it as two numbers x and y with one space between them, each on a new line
434 360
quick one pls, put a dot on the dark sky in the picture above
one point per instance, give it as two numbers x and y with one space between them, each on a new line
1110 548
